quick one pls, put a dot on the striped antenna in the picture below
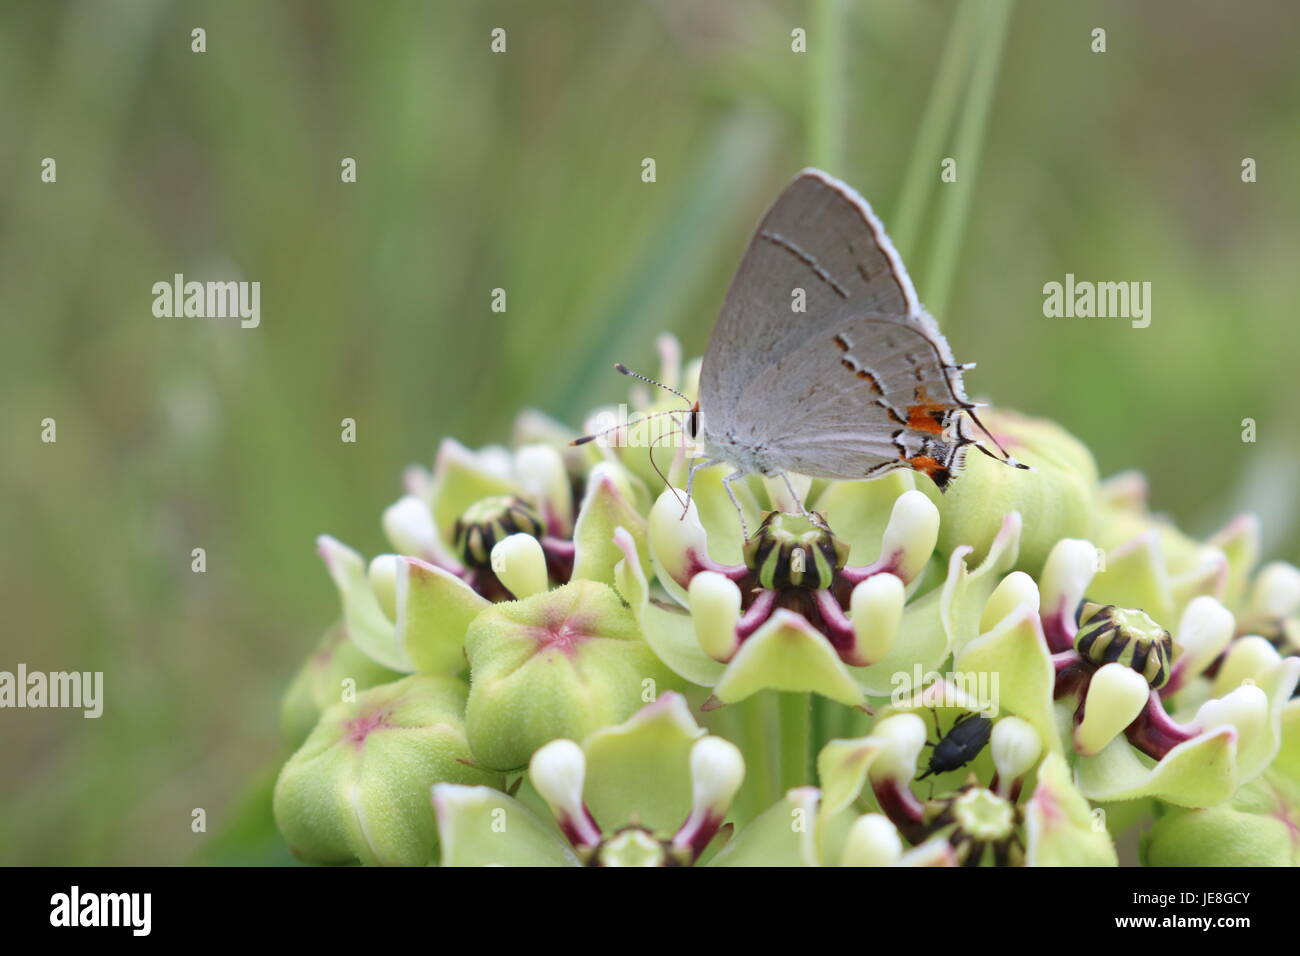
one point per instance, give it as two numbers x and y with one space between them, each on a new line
613 428
623 369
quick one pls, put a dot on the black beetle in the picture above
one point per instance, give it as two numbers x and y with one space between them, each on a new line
962 744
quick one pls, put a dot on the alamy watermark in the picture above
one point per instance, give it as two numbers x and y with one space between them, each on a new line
79 690
209 300
1103 300
622 428
978 691
75 908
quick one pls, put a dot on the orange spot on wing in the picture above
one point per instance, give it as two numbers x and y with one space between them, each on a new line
932 469
926 417
925 464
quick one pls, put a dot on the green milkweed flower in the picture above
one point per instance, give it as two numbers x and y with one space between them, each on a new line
651 791
1125 742
654 683
356 789
1045 823
410 611
844 632
558 664
1259 826
569 506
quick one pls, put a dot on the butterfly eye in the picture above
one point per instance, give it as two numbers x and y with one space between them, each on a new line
693 422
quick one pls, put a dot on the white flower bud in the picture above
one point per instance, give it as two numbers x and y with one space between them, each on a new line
1116 695
520 563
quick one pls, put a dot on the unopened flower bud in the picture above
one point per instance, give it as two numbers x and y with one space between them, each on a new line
1112 635
558 771
1116 695
789 551
358 788
520 564
1016 748
490 520
872 841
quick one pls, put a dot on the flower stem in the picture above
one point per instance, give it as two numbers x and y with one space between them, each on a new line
819 731
795 729
754 737
852 723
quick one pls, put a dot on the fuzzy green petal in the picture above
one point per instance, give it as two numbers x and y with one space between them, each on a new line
479 826
1135 576
782 835
1058 498
1218 836
461 478
1197 773
1257 828
560 664
434 611
1288 757
842 769
630 574
367 625
718 515
788 654
1240 545
608 505
1016 651
358 788
672 636
966 593
859 511
1059 823
640 769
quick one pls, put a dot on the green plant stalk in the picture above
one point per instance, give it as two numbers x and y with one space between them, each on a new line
822 722
936 124
969 145
847 722
826 89
795 712
754 737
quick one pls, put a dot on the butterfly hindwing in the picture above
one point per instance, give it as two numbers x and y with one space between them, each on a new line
842 406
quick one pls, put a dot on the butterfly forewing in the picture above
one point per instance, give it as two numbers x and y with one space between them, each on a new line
819 248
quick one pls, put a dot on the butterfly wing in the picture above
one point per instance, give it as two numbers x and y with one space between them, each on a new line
874 396
824 390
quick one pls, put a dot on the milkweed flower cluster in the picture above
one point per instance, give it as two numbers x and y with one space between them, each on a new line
562 662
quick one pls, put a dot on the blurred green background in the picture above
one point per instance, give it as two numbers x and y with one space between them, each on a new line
522 171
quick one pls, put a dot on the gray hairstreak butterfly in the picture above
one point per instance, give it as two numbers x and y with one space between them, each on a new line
857 383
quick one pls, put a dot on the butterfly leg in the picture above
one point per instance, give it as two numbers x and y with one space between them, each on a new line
731 493
803 509
696 465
